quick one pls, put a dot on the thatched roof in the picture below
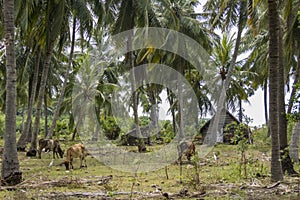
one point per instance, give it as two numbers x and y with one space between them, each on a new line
229 118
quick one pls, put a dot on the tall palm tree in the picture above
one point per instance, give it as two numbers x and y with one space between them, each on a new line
11 173
66 79
79 11
28 19
228 14
126 20
54 17
276 168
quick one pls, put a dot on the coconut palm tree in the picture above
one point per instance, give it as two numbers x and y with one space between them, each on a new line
144 16
228 14
53 19
11 174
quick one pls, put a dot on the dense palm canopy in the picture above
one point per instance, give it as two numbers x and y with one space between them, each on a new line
47 53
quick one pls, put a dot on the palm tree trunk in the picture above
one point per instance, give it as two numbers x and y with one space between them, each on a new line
266 106
46 114
286 162
172 108
141 143
294 147
180 101
21 145
240 110
66 78
294 90
10 173
153 112
276 169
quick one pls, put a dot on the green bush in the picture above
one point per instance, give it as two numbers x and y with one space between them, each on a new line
144 121
62 127
110 128
2 124
167 133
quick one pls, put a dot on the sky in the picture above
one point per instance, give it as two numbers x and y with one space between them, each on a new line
255 110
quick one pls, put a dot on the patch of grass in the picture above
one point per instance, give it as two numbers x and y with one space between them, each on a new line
219 179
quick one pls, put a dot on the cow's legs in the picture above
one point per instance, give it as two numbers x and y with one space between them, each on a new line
54 153
71 163
84 162
40 152
82 159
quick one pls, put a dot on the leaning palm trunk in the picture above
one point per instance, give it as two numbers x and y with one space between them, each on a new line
216 130
21 145
294 147
10 173
66 78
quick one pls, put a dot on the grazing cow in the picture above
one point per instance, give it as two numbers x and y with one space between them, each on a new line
187 148
50 145
76 151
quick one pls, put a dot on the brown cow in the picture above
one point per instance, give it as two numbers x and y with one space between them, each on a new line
187 148
50 145
76 151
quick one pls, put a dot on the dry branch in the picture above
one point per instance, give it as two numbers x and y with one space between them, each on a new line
103 195
58 183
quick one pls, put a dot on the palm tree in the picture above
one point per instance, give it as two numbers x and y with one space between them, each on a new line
276 168
66 78
80 13
226 15
29 19
53 21
11 173
127 20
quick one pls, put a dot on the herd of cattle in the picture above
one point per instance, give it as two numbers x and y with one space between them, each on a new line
186 148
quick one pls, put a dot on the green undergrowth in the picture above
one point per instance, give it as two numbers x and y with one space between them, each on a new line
219 178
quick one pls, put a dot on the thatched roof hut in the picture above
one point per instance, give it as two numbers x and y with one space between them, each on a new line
228 134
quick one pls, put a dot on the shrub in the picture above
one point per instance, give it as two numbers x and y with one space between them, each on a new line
110 128
62 127
167 133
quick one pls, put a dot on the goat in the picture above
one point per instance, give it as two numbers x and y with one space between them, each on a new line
50 145
187 148
76 151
